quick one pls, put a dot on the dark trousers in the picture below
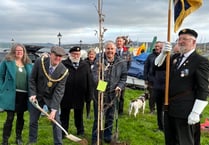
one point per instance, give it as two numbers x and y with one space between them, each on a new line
121 102
33 128
159 98
88 108
151 98
178 132
8 125
108 117
78 119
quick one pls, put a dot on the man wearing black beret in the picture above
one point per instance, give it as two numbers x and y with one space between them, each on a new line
74 49
188 91
78 89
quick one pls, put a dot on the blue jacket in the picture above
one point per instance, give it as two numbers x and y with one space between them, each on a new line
8 83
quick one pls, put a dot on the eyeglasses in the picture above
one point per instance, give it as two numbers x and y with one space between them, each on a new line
184 39
19 50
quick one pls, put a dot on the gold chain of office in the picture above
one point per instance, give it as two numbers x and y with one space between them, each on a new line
46 74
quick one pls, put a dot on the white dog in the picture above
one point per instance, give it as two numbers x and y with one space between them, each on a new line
137 104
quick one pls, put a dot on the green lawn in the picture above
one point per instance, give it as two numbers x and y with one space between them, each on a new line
135 131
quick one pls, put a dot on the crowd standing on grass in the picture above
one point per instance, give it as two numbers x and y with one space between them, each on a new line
47 85
188 90
78 89
115 74
50 84
15 71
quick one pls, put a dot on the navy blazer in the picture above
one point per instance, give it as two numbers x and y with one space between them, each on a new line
187 83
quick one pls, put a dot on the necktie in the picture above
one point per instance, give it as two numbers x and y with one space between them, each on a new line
121 52
51 70
179 59
75 64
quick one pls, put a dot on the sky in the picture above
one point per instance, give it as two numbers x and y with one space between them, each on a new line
40 21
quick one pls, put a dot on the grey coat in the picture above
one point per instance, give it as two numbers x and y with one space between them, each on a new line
115 74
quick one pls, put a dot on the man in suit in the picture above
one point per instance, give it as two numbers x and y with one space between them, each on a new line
188 91
122 52
47 85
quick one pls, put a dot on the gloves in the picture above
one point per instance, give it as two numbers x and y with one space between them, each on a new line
194 116
160 58
117 89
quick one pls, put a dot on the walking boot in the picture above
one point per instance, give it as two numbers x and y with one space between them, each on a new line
19 128
6 133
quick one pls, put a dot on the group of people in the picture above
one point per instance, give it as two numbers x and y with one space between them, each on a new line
187 91
61 85
67 84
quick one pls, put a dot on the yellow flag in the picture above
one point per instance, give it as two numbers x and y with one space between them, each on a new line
141 49
182 8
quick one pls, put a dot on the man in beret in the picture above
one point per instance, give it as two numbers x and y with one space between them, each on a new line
47 85
188 91
78 89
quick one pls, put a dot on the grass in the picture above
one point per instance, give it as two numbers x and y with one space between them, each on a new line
136 131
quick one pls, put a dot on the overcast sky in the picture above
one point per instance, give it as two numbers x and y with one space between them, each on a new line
39 21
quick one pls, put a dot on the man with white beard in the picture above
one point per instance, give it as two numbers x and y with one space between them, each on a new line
78 90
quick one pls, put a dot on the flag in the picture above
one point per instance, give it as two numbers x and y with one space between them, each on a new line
150 49
182 8
141 49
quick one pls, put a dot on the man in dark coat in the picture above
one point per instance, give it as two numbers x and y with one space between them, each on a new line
188 91
149 75
78 90
115 74
47 85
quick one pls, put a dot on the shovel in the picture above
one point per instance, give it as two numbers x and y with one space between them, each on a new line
68 136
115 135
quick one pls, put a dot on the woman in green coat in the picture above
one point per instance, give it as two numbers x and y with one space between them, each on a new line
14 75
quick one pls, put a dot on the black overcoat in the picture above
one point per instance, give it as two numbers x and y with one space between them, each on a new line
78 85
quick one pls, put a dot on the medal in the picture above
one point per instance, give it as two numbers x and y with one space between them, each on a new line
20 69
49 84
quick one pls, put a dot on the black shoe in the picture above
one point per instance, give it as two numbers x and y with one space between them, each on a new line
19 142
107 141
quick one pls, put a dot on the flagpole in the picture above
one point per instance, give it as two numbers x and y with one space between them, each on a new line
168 57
